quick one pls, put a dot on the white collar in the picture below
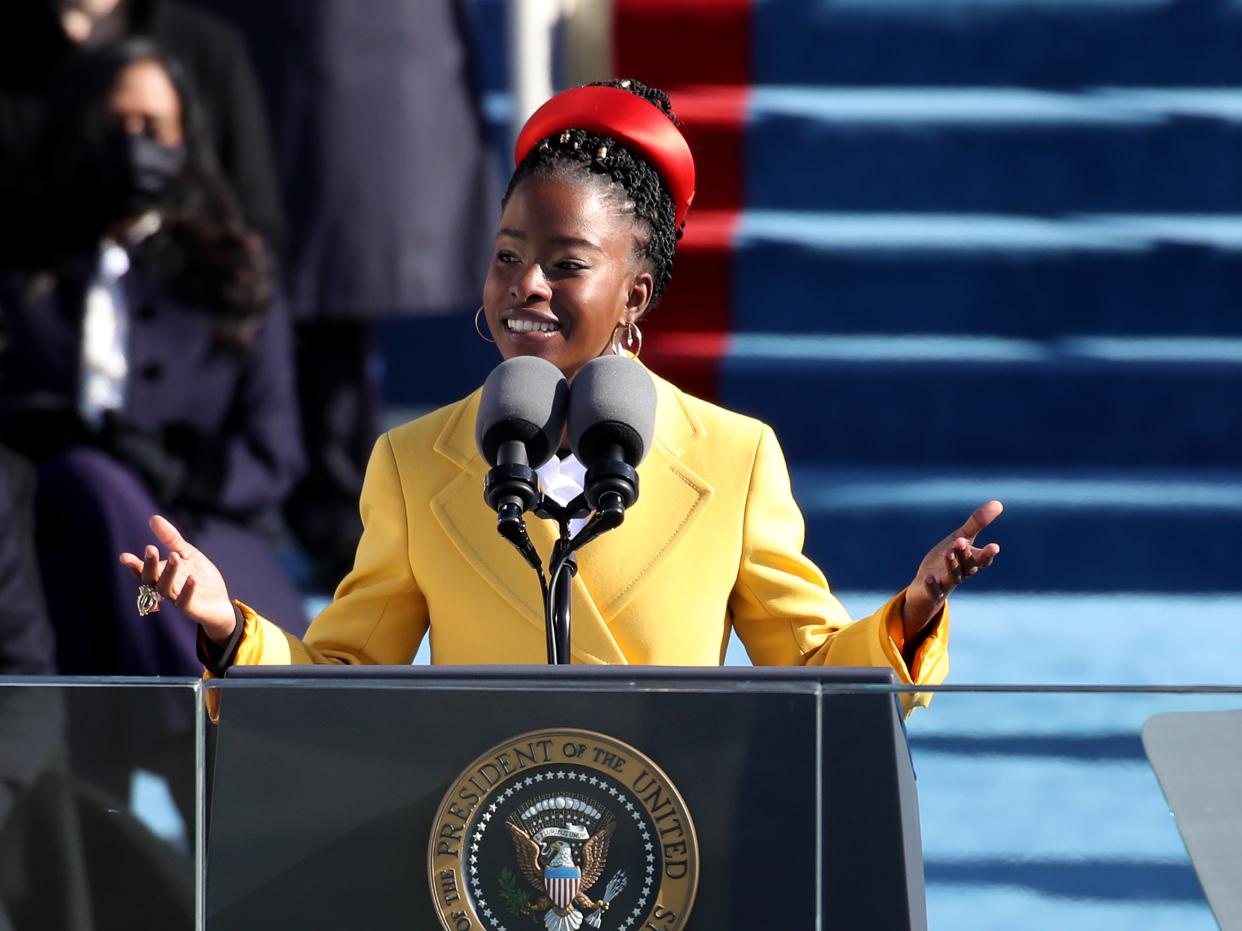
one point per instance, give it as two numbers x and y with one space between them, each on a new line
562 480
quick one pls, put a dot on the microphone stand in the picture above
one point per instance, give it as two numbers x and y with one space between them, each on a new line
562 567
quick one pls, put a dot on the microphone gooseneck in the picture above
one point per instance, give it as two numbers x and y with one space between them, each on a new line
511 483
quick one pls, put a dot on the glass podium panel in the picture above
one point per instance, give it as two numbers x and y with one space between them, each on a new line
1026 808
1030 807
98 804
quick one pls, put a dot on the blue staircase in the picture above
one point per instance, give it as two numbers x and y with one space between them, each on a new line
997 43
993 248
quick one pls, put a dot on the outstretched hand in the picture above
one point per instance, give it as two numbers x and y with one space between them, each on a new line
950 562
187 578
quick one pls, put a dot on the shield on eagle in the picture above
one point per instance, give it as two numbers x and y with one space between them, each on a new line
562 883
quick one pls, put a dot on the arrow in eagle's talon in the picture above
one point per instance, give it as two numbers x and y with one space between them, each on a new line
615 885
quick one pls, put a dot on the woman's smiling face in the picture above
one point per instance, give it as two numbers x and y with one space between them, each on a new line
564 272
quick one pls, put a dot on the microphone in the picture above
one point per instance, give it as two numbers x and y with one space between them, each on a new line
524 408
519 425
612 410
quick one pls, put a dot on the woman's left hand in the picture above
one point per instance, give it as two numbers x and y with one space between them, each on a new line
950 562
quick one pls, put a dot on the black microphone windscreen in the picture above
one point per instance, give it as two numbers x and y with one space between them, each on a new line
524 399
612 403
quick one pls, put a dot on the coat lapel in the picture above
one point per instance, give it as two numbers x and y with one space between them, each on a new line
462 513
615 566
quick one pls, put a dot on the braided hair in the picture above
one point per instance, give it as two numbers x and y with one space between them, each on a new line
635 185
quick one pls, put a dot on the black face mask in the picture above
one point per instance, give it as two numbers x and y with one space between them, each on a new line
136 172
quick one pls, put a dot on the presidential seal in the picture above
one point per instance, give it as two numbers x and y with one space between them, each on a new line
563 828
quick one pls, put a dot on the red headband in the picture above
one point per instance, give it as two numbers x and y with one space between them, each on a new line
610 111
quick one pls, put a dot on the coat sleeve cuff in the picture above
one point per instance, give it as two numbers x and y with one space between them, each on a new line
924 649
217 659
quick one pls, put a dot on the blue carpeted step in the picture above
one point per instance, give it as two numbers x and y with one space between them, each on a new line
1067 531
944 401
1037 43
1002 275
993 150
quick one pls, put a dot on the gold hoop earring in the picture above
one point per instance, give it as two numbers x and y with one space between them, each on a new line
627 340
478 329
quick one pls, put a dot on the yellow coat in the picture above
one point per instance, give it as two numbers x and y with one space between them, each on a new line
713 543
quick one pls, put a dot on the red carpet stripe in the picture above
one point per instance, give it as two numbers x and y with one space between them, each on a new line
699 51
670 43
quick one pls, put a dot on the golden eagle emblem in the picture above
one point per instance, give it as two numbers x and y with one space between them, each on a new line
561 884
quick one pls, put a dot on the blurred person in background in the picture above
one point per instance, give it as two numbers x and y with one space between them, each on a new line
390 190
147 363
40 39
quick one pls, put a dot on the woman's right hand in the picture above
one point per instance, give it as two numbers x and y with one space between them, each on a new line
188 579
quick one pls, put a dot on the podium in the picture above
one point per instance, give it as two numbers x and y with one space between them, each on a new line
1197 756
654 797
